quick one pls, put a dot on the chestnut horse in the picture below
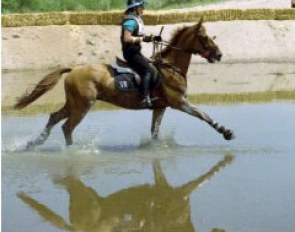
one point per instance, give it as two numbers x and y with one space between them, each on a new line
88 83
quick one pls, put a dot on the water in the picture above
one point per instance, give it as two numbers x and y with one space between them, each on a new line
115 179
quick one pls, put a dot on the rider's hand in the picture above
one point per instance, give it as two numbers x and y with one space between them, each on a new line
157 38
147 38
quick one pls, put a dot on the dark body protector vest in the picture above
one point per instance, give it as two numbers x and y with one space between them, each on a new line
131 48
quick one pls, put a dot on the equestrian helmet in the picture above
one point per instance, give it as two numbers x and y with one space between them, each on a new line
134 3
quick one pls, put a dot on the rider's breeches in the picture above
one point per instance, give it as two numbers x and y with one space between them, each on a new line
140 64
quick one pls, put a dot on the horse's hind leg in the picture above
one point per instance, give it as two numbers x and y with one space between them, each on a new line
54 118
227 133
78 112
156 122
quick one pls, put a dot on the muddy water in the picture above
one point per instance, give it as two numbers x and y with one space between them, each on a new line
115 179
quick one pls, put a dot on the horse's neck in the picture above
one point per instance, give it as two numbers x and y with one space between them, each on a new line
179 59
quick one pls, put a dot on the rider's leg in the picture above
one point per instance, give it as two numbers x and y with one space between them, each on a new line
141 65
145 89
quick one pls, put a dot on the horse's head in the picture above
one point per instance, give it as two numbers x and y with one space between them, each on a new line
201 43
191 40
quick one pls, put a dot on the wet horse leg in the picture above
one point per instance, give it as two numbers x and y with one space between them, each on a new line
156 121
192 110
78 112
54 118
81 95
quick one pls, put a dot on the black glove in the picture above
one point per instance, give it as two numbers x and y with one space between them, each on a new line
147 38
157 38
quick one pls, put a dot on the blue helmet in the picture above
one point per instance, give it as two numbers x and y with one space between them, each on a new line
134 3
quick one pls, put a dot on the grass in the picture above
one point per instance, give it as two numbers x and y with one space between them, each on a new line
26 6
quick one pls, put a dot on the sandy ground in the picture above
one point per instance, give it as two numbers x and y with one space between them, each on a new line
240 41
31 48
54 46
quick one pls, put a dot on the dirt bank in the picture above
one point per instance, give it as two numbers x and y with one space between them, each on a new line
240 41
53 46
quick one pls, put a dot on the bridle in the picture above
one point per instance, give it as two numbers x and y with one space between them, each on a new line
158 61
157 49
167 44
206 48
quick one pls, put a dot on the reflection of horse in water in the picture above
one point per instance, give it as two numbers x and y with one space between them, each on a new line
86 84
151 208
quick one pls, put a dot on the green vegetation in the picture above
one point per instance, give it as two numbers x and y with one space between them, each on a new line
23 6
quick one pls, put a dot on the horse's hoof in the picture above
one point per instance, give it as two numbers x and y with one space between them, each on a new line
30 144
228 135
155 138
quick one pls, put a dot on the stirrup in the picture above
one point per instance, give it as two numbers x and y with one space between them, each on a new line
148 101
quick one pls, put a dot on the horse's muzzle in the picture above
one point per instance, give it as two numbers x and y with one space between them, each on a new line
214 57
218 56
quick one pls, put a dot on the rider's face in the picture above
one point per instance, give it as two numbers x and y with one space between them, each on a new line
140 9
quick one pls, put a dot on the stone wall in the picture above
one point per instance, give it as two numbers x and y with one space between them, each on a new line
150 17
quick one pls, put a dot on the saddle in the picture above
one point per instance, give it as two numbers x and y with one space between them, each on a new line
127 79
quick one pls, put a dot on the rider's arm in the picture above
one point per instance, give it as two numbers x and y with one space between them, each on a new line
129 27
128 38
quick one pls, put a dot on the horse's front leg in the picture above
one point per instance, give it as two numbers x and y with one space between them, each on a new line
156 121
192 110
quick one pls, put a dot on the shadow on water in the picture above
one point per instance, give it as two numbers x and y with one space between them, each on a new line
148 207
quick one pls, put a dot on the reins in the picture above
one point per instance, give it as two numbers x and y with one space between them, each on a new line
156 44
157 49
166 43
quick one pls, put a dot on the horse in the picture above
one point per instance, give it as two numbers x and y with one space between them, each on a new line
85 84
149 207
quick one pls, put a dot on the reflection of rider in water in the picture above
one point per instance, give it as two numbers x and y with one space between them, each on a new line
132 35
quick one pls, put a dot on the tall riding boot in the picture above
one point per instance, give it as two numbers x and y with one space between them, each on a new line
146 82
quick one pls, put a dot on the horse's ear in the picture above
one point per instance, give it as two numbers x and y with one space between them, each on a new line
199 23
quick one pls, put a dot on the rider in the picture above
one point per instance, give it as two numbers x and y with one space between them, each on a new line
131 37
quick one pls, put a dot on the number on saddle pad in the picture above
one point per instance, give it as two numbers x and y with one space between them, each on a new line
126 82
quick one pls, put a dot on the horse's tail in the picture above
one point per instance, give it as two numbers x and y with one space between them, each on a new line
46 84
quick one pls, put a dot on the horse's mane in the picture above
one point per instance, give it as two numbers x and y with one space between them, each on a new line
176 35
